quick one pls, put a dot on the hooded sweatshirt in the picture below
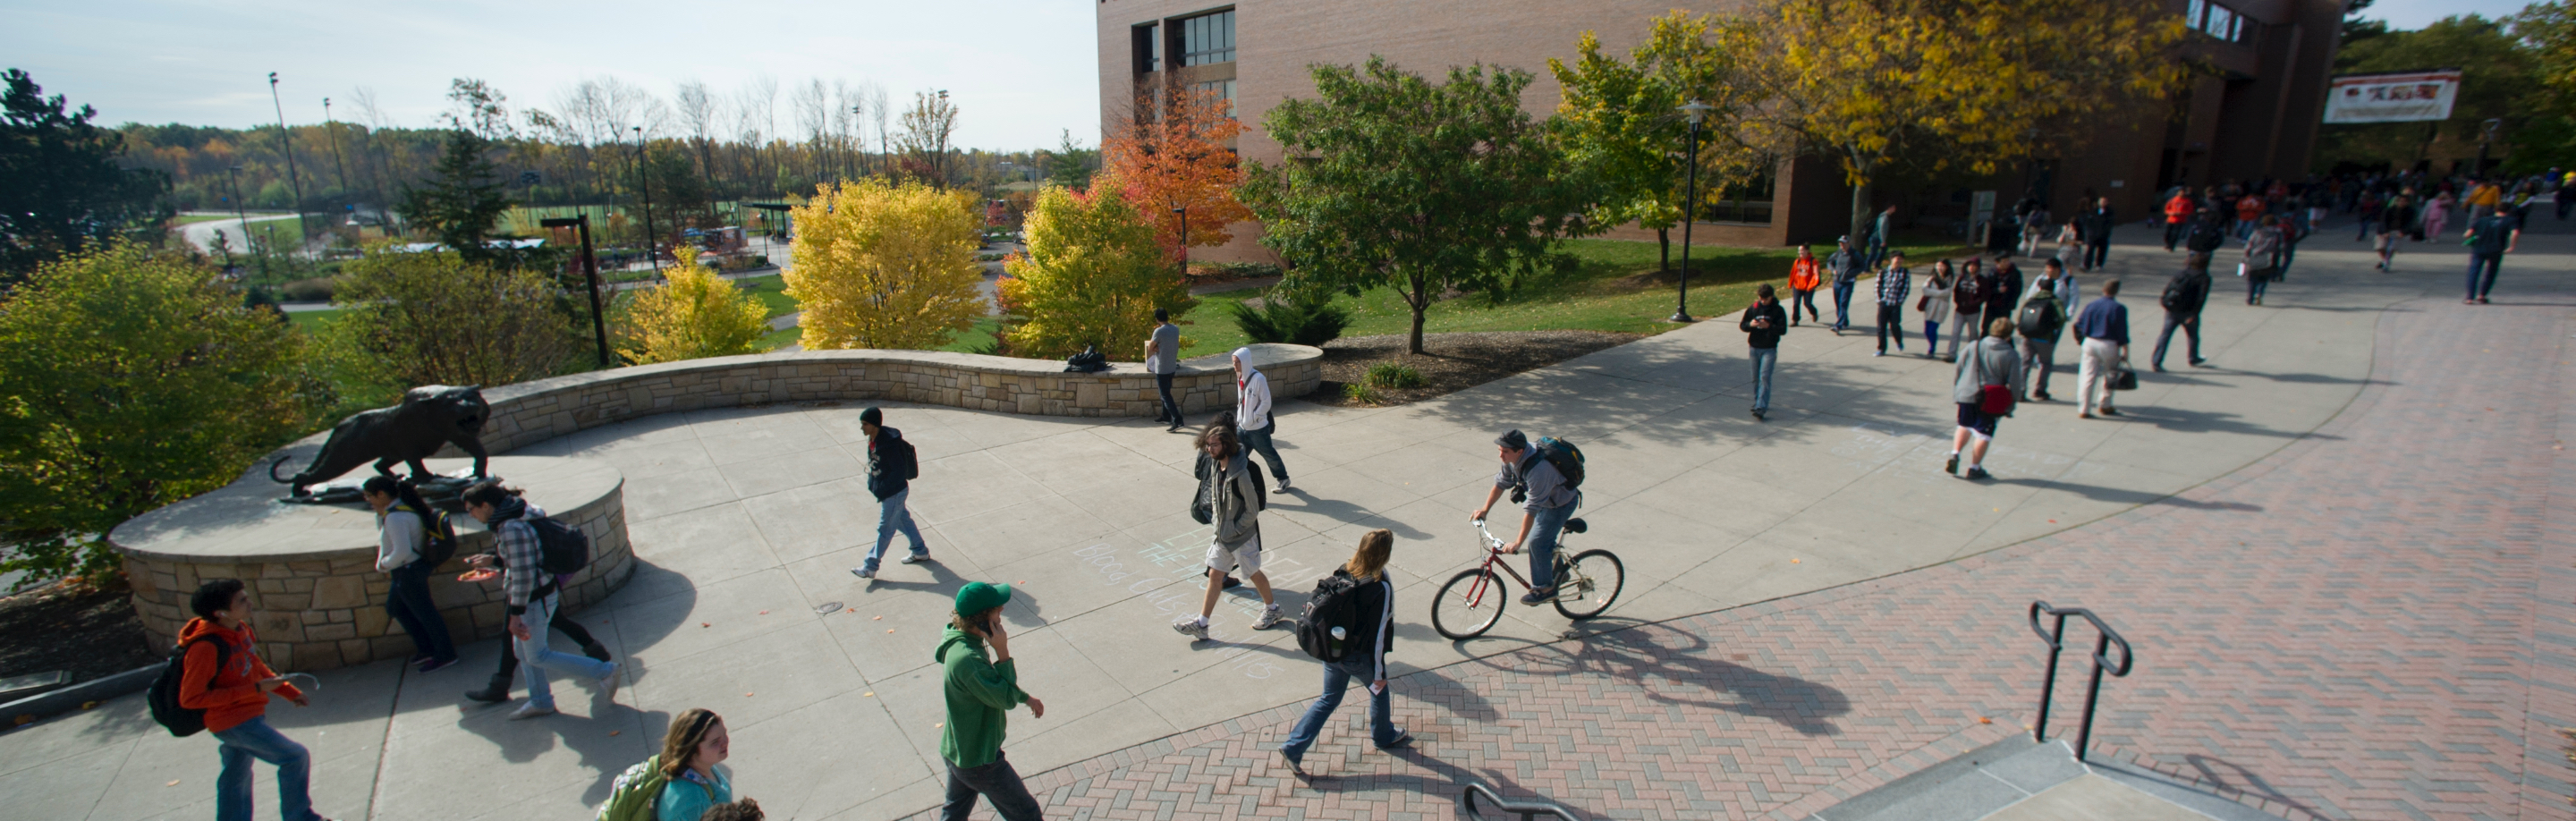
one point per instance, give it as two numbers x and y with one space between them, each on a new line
229 695
980 695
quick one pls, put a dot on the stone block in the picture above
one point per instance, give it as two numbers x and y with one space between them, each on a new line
339 592
268 586
341 616
373 621
330 632
286 602
353 652
313 616
279 627
280 656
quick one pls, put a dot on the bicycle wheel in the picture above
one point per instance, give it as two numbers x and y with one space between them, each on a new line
1591 581
1469 604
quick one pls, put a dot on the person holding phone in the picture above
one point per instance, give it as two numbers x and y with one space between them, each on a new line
223 675
1763 324
981 685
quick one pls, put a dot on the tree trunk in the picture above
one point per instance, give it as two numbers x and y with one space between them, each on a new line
1419 300
1664 244
1860 217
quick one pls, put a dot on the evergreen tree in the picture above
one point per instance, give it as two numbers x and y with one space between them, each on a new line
61 189
463 200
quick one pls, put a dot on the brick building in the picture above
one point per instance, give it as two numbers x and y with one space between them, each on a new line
2257 118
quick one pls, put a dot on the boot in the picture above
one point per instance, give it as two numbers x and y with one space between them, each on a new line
595 651
495 692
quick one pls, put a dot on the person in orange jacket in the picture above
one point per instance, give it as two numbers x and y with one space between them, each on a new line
1804 275
2178 213
232 685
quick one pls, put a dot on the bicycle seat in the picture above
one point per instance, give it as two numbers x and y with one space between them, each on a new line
1576 526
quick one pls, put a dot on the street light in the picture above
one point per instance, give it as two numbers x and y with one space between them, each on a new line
244 221
589 266
1690 204
644 184
288 149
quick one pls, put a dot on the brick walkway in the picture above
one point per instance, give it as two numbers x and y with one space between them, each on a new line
2372 623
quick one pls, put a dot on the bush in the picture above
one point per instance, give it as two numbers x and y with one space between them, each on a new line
1296 320
1092 276
885 266
431 318
1391 375
696 314
317 289
1360 392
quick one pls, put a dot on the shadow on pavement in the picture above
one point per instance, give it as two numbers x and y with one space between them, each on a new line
1674 666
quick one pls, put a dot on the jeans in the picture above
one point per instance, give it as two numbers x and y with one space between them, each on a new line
1891 320
2096 253
535 659
2040 356
255 739
510 655
1337 678
996 781
2190 325
1171 409
408 602
2093 375
2492 263
1765 360
1258 441
891 519
2255 285
1842 304
1542 541
1806 298
2244 228
1931 338
2289 251
2174 232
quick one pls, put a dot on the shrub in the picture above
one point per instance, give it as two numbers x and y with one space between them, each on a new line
129 381
695 314
1301 320
880 265
317 289
1391 375
1092 276
1360 392
431 318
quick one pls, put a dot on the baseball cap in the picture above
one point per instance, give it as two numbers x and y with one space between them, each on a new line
1513 439
977 597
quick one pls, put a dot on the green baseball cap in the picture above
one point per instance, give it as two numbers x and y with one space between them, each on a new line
977 597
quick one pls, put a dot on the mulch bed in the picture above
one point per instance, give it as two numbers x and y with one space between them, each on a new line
1450 362
91 632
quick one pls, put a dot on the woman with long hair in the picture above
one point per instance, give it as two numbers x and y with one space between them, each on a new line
1364 645
406 527
696 743
1935 305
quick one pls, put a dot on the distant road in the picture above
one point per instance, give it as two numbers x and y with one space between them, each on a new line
202 234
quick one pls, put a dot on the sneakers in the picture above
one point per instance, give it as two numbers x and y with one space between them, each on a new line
608 683
2107 412
1540 596
530 710
916 558
1294 765
1403 738
1975 473
1231 583
1757 414
863 573
1880 353
1953 466
2200 363
1195 628
493 693
436 664
1269 617
1283 486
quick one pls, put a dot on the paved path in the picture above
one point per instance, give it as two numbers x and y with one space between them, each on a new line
748 518
236 230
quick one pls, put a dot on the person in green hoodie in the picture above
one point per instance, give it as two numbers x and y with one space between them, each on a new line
981 690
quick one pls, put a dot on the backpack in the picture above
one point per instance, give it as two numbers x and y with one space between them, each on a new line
163 698
1336 603
911 459
1088 361
441 544
561 549
1565 456
2040 317
635 792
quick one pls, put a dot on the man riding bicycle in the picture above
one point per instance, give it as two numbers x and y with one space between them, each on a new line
1546 503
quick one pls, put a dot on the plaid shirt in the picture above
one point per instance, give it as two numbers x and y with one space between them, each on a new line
522 560
1892 285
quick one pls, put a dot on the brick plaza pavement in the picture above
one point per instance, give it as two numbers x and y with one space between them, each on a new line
2372 623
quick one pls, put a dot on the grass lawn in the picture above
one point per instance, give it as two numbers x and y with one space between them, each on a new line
311 321
1601 294
771 290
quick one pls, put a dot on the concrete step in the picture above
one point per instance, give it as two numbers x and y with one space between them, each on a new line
2022 780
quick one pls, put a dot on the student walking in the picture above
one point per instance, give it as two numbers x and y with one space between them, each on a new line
892 465
2262 263
1373 598
1988 364
1882 235
2036 230
1253 421
2395 219
497 689
980 689
1236 510
2041 321
1968 291
2070 243
1763 324
221 673
1844 266
2489 239
2098 223
2103 325
2185 294
408 530
1892 285
532 596
2437 214
693 752
2003 290
1163 360
1935 306
1805 273
2178 213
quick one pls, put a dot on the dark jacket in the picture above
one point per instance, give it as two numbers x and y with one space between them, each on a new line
2207 234
2095 225
1968 294
891 465
2005 292
2187 292
1764 337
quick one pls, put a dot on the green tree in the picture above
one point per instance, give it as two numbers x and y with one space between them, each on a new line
61 188
2501 77
1093 275
434 318
1425 188
1622 120
129 381
462 200
1070 165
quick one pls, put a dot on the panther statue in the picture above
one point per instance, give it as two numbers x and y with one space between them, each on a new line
429 417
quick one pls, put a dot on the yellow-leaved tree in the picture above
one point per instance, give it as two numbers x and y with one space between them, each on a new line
880 265
695 314
1093 275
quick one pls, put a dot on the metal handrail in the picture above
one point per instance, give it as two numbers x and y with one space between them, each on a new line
1527 809
2101 661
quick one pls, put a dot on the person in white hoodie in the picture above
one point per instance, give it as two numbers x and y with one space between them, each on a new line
1252 420
403 539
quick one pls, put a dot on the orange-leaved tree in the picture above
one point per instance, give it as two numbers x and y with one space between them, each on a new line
1175 152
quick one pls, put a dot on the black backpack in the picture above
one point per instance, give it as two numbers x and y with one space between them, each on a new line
562 549
2040 317
1567 458
1335 603
1088 361
441 544
163 698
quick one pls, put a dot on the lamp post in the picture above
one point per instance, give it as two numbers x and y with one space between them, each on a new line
288 148
336 163
243 218
644 184
1690 205
590 267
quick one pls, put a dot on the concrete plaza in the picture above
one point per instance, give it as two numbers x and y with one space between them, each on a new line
747 521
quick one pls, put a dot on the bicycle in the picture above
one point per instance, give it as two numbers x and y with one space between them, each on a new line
1473 600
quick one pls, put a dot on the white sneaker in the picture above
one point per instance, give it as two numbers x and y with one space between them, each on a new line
863 573
1269 616
530 710
916 558
1283 486
1195 628
608 683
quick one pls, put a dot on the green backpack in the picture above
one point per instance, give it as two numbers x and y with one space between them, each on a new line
631 799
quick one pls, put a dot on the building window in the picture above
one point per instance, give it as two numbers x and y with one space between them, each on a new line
1148 45
1207 38
1224 90
1747 202
2217 21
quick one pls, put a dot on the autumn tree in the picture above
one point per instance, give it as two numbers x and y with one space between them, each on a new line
1425 188
927 128
1622 120
1176 153
1943 85
1093 275
883 265
436 318
694 314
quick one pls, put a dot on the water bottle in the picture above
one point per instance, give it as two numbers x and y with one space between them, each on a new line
1337 634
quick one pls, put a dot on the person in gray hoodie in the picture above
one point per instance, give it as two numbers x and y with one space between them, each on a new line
1237 549
1990 361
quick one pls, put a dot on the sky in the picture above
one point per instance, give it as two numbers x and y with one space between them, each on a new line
2407 15
1019 71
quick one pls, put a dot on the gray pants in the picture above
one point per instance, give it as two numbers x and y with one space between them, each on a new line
1966 328
2040 356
